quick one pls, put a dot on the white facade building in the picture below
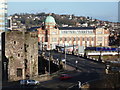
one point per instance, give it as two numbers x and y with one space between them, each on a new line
3 17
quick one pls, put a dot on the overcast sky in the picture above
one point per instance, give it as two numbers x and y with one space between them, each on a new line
107 11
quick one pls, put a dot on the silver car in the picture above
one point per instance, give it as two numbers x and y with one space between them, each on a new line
29 82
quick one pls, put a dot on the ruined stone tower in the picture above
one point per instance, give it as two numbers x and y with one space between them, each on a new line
21 49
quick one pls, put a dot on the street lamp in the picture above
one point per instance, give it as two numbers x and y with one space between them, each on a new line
73 47
118 51
76 63
65 54
100 53
85 49
42 46
118 48
50 56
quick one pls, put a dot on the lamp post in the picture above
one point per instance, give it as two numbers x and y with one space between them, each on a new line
76 62
65 54
118 51
100 53
42 46
73 47
118 48
85 49
50 57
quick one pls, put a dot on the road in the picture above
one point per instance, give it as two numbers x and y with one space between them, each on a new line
87 71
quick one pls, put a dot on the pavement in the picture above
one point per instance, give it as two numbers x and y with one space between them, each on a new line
68 70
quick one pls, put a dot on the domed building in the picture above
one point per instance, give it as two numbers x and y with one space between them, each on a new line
50 36
50 21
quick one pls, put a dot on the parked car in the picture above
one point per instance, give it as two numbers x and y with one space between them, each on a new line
65 76
23 82
63 59
29 82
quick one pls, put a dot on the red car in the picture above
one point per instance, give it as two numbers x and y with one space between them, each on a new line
65 76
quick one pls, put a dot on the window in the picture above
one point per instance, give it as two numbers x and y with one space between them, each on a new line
18 55
83 39
74 39
54 39
65 39
87 39
14 42
92 38
99 39
26 64
26 46
60 39
99 32
69 39
19 72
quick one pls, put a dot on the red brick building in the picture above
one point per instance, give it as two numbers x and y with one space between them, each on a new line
50 35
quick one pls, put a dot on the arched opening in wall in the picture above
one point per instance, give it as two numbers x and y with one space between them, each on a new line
15 42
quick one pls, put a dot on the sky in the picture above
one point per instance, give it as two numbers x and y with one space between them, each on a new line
107 11
63 0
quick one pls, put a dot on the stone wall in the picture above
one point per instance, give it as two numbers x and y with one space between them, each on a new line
21 49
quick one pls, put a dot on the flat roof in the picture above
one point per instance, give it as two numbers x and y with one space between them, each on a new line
76 28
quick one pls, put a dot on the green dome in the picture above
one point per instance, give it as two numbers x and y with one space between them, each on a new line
50 20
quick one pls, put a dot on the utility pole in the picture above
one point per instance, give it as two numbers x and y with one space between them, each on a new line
42 46
73 47
50 57
76 62
85 56
100 52
65 55
118 49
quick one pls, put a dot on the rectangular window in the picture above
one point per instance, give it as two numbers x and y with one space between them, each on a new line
99 32
60 39
87 39
92 38
99 39
83 39
65 39
19 72
54 39
74 39
69 39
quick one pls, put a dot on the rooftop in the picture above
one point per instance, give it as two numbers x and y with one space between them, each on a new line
50 20
76 28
